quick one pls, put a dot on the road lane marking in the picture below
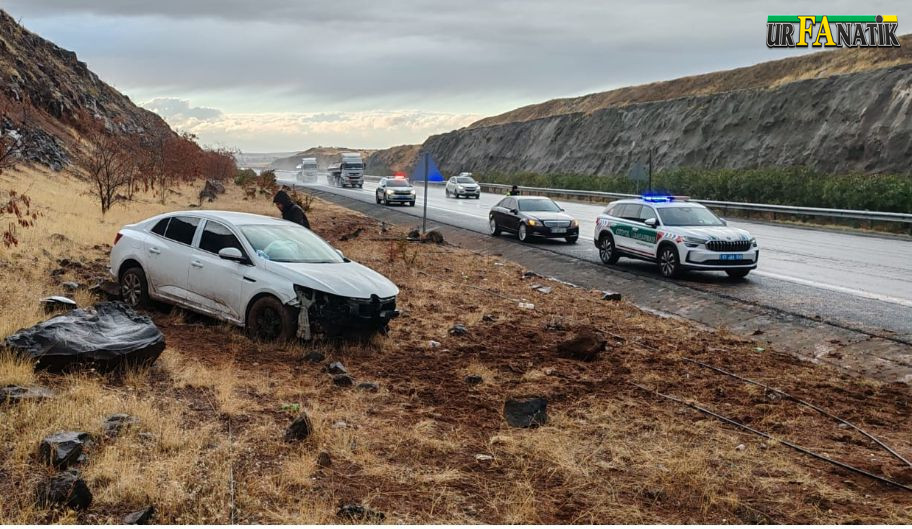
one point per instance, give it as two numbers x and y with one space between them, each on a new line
835 288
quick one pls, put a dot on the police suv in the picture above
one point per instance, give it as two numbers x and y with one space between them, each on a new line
675 234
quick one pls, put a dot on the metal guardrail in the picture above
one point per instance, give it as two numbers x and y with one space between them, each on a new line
875 216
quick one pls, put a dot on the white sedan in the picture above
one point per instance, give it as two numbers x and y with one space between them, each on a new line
275 278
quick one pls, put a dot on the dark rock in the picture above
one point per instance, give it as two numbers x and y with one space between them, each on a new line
116 423
458 330
336 368
324 460
211 190
57 272
69 263
433 236
611 296
528 274
62 449
64 489
17 394
353 235
70 286
106 287
299 429
343 380
108 337
414 235
474 380
372 387
354 511
526 412
55 303
585 345
141 517
489 318
315 357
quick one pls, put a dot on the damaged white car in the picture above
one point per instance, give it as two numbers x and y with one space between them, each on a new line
275 278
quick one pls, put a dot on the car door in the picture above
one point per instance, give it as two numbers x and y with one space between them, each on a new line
218 285
623 223
647 237
497 212
168 257
450 185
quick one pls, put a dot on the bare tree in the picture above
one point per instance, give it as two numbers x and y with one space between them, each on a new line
110 165
12 141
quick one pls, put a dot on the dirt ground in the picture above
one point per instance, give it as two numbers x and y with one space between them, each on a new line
209 447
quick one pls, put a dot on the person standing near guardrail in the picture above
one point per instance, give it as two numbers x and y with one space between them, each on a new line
514 190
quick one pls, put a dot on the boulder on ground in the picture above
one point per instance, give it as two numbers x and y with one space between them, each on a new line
371 387
315 357
526 412
211 190
107 288
357 512
108 337
62 449
324 460
299 429
17 394
433 237
473 380
585 345
343 380
458 330
141 517
116 423
336 368
64 489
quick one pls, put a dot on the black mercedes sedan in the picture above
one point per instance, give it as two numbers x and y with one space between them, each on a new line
532 217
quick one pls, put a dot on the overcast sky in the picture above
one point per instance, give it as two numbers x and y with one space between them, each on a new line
284 75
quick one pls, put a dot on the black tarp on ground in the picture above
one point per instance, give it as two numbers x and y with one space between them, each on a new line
108 337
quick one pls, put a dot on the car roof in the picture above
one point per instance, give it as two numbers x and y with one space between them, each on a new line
232 217
669 204
532 196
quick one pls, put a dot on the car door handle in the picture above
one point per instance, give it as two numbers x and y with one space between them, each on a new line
154 250
196 264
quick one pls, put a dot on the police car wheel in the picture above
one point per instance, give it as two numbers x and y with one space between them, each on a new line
495 229
607 252
738 273
447 193
669 265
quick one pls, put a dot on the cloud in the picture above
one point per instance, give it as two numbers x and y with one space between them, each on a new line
289 131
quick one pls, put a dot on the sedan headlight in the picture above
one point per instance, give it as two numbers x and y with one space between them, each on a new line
753 242
574 223
694 241
532 222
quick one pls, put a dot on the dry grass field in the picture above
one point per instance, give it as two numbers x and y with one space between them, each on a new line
213 409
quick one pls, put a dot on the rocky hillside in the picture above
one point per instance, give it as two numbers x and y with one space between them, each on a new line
47 93
841 123
770 74
388 161
324 156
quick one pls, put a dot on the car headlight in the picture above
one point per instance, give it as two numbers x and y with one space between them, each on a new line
753 242
694 241
574 223
412 191
460 188
389 191
532 222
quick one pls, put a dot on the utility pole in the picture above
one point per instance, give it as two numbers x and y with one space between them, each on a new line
649 189
424 219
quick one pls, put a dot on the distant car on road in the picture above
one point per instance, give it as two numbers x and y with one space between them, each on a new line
395 191
463 186
277 279
532 217
674 233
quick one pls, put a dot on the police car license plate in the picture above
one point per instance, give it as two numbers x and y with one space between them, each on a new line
558 230
731 257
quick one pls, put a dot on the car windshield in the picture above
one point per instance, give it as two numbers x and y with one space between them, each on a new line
352 166
397 183
465 180
538 204
289 244
689 216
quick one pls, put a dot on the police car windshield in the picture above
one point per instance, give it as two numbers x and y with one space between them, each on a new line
689 216
537 204
397 183
465 180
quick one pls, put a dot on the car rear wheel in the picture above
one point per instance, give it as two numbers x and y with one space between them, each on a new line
669 264
270 321
737 273
494 228
523 233
607 252
134 289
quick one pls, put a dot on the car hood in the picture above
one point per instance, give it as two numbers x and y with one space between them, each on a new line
349 279
467 185
547 215
717 233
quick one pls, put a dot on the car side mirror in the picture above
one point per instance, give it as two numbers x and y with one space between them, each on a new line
724 222
514 211
652 223
562 209
231 254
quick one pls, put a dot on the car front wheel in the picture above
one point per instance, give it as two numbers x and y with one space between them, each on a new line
737 273
134 289
270 321
572 240
523 233
669 265
607 252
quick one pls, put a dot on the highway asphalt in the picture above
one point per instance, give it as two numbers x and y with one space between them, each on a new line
856 281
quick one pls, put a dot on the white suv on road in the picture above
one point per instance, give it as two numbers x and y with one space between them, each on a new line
675 234
274 277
